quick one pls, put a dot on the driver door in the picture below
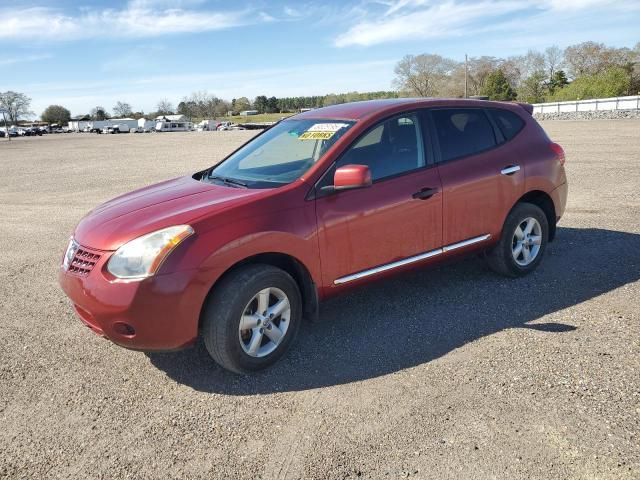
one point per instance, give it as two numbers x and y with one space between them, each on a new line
364 232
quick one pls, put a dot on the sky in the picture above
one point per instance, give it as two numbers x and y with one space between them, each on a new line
84 53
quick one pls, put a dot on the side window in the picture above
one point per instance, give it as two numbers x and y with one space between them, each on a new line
508 122
392 147
462 131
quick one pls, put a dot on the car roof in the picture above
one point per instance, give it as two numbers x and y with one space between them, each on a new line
367 108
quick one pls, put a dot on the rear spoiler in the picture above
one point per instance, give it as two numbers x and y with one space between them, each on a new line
527 106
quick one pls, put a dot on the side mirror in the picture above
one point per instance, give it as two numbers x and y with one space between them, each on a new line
352 176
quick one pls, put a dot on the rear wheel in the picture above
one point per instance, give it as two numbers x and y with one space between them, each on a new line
522 243
251 318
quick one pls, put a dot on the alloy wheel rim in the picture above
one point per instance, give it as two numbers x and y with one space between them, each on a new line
526 242
264 322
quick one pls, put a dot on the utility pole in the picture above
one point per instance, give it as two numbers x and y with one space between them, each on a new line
466 74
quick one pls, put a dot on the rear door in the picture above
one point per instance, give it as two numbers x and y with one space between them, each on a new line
390 221
481 174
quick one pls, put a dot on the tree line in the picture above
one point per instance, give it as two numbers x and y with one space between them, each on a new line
581 71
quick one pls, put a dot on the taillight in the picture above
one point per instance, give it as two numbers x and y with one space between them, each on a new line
559 151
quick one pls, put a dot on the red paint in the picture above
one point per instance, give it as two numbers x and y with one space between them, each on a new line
352 176
330 235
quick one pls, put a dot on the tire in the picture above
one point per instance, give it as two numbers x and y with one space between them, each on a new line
237 298
505 258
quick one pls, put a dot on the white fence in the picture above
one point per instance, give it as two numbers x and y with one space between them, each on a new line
615 103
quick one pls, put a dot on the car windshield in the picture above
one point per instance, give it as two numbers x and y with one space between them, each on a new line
280 155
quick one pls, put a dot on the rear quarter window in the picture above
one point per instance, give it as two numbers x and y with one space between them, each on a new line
508 122
462 132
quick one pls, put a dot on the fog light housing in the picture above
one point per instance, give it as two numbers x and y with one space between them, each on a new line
124 329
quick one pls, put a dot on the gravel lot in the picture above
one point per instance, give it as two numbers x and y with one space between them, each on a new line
445 373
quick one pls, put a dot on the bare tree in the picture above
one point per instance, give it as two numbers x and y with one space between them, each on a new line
16 104
479 70
591 58
122 109
165 107
553 59
423 75
99 113
201 104
512 70
532 62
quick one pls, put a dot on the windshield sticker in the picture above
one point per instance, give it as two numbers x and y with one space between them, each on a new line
327 127
316 135
322 131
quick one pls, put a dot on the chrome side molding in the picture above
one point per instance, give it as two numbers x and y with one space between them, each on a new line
409 260
464 243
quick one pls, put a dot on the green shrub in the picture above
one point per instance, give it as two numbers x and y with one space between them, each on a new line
613 82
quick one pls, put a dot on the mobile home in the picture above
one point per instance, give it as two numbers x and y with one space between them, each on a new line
145 125
173 123
124 124
78 125
207 126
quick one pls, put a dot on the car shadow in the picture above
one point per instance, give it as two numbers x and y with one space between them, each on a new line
420 316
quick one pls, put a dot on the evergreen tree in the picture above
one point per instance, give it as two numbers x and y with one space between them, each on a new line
497 87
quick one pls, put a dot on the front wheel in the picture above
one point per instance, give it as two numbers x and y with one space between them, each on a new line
522 243
251 318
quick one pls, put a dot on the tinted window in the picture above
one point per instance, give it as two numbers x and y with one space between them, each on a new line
390 148
462 131
508 122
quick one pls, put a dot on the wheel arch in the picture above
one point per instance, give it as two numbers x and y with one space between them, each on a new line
545 202
288 263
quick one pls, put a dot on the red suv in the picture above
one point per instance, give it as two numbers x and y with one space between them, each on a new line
321 202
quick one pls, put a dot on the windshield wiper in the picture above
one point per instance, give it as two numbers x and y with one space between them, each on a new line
229 181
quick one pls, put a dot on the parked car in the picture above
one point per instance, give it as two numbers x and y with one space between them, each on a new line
28 131
116 129
320 203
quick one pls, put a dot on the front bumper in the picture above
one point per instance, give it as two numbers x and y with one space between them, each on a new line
158 313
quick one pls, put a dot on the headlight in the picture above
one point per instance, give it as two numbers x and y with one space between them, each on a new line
141 258
72 248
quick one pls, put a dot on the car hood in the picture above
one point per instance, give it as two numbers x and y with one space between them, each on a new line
174 202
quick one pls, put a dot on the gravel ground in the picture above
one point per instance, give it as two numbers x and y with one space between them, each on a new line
590 115
445 373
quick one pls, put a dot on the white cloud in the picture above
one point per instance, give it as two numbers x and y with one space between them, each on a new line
140 18
292 12
575 4
384 21
405 20
24 59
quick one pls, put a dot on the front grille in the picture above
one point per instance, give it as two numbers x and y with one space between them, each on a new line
83 262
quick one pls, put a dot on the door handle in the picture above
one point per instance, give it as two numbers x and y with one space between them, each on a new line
510 170
425 193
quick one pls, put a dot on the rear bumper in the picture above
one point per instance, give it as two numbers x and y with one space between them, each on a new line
559 197
158 313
